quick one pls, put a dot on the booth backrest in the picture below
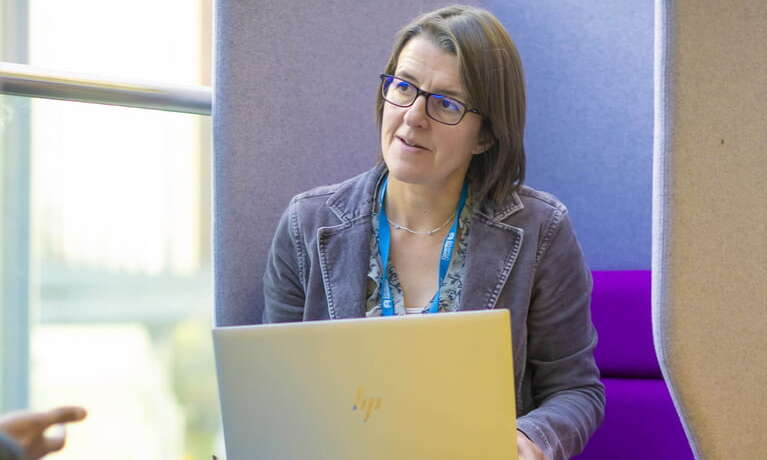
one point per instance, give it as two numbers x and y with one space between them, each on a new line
588 72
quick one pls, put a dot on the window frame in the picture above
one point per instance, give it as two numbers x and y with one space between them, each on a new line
15 175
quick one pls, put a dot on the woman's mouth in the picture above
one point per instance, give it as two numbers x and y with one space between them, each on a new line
411 144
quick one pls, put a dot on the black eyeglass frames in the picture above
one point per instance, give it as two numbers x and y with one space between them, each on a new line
439 107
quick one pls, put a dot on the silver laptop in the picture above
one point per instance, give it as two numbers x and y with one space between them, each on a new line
407 387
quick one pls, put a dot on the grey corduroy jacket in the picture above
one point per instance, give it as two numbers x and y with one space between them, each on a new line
523 257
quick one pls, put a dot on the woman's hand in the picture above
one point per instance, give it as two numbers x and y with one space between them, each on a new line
527 449
28 429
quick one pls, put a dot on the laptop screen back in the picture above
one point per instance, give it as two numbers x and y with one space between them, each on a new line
428 386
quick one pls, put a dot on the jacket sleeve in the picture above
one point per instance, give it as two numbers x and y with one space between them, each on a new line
284 282
9 449
568 394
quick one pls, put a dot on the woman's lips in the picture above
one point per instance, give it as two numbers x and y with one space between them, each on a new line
410 146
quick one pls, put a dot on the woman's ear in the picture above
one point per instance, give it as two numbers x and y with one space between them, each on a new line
485 142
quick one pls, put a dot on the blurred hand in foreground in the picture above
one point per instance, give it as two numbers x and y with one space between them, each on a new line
28 428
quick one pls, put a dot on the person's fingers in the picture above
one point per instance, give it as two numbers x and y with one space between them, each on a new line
44 445
54 443
64 414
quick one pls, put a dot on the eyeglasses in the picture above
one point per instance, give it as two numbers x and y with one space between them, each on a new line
443 109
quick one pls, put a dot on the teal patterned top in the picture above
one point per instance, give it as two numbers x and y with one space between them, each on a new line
450 292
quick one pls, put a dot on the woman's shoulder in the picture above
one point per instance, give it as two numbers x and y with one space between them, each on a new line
347 200
540 200
525 206
541 216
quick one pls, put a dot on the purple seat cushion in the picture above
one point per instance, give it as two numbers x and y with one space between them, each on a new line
621 311
640 423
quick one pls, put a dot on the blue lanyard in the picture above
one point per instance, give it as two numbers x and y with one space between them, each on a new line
384 244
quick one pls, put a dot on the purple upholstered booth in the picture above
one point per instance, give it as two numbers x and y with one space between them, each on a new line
640 419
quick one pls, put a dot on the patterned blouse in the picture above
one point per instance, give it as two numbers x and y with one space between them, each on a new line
449 293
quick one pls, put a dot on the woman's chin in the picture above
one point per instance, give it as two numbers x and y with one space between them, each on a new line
408 174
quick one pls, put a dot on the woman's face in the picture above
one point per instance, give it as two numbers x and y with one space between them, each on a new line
416 148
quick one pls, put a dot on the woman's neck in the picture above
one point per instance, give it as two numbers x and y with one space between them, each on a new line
421 207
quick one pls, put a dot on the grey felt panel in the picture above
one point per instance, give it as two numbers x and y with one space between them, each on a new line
589 133
295 84
710 221
589 118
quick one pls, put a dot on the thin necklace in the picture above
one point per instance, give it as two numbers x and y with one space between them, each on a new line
416 232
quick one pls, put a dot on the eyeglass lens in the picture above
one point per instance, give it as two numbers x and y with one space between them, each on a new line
441 108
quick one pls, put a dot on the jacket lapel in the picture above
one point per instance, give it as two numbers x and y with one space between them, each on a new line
493 249
345 248
342 247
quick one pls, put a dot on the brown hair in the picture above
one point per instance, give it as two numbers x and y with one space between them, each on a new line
491 73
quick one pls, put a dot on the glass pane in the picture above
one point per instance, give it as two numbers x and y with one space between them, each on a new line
14 251
122 289
144 39
121 285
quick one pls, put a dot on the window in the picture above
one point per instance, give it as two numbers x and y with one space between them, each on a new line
119 269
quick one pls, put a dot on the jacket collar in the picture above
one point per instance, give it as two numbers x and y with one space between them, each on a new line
497 214
492 253
355 198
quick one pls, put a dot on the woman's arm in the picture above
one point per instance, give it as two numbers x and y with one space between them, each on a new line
284 294
566 388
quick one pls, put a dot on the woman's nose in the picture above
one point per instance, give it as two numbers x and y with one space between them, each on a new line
416 113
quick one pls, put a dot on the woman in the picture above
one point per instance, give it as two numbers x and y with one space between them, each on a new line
444 224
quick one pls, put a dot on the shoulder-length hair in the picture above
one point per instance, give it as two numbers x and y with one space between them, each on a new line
491 72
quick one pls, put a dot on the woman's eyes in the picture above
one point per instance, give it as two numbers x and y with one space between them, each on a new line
443 102
448 104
